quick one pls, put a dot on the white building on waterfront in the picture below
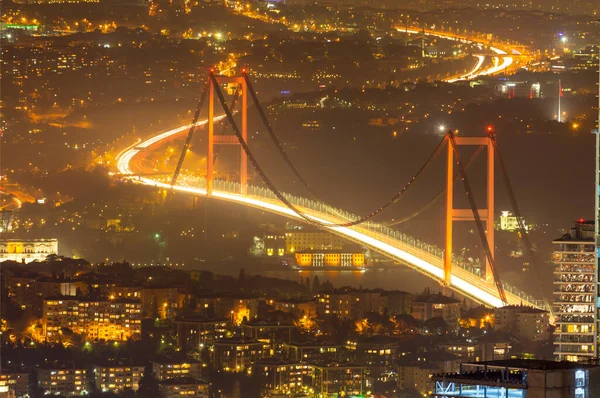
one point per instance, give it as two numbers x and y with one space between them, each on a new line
27 250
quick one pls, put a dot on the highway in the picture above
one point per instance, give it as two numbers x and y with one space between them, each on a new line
418 255
503 53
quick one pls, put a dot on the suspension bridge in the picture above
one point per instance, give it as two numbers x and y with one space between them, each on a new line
481 285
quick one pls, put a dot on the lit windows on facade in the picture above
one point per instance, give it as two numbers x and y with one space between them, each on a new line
104 320
189 387
318 259
279 376
14 382
63 380
117 376
167 369
26 251
236 355
575 294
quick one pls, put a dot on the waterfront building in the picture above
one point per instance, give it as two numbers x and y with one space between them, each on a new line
330 259
27 250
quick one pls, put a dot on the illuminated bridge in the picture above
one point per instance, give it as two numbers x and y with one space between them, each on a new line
482 287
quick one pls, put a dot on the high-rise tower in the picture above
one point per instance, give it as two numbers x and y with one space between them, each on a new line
575 294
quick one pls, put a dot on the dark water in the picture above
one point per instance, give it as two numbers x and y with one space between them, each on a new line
388 276
397 278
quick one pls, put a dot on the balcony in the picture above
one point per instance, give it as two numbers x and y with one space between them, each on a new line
575 319
567 258
576 288
574 278
574 268
574 309
574 339
574 349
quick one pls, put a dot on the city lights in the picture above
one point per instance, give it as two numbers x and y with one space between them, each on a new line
175 175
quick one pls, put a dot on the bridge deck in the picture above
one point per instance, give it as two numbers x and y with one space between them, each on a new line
418 255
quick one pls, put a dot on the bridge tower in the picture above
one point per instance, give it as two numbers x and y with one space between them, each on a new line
238 83
453 214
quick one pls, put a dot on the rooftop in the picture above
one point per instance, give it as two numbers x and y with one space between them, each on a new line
295 301
176 381
436 299
59 365
312 344
336 364
274 361
496 336
112 362
380 339
262 324
199 320
173 360
523 309
235 341
531 364
330 251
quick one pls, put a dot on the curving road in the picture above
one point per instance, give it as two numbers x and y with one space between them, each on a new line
478 69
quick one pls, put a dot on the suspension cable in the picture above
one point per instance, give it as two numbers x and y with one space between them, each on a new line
273 136
480 228
282 198
299 176
188 139
521 224
439 195
234 101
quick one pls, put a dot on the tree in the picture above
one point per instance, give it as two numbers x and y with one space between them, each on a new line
148 384
306 324
326 286
373 324
436 325
405 323
128 393
316 285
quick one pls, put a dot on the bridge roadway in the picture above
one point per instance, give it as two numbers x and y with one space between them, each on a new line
397 246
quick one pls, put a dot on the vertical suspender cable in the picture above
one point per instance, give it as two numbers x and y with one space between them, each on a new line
515 206
273 136
288 204
438 195
188 139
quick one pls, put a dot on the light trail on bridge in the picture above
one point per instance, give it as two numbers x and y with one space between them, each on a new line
465 282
